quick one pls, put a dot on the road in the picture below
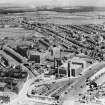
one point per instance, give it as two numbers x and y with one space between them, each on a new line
73 89
22 95
76 89
69 98
22 98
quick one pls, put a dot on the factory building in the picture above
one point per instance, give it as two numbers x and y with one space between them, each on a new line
34 56
73 67
55 51
2 86
23 50
39 57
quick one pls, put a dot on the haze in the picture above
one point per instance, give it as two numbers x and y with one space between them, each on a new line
34 3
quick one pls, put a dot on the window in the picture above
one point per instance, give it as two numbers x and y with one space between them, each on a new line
73 72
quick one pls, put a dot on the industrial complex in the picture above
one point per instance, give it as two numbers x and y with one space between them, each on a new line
47 63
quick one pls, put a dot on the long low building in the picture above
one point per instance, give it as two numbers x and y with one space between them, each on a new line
14 54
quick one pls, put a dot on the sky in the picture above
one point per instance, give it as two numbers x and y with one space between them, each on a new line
56 2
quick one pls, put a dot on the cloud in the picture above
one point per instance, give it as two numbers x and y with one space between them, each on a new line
57 2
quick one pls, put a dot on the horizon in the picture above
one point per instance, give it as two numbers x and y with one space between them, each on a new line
53 3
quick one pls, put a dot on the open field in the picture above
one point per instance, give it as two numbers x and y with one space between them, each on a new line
66 18
15 32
